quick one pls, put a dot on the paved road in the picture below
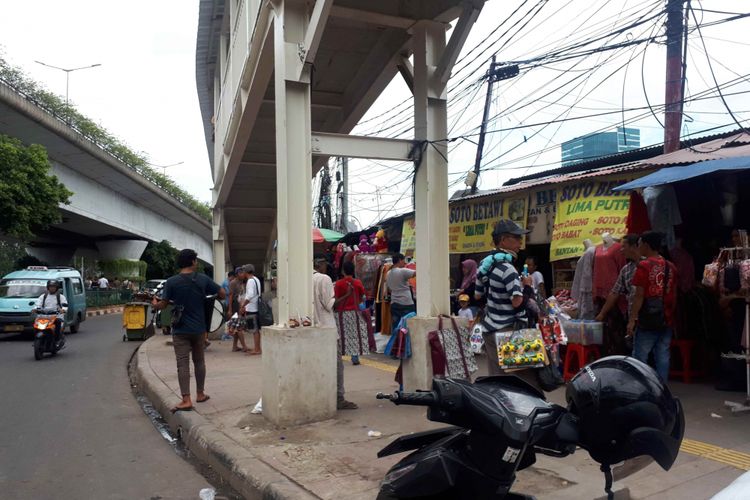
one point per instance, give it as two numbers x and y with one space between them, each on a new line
70 427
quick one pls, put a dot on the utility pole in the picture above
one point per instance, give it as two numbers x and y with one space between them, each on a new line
675 79
495 73
342 192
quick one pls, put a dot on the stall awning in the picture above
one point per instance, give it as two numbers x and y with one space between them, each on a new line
683 172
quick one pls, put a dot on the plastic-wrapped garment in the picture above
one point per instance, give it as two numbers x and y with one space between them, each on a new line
663 211
583 283
607 264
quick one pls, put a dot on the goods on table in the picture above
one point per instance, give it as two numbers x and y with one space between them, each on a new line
520 349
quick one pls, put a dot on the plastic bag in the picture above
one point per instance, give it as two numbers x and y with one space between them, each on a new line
477 339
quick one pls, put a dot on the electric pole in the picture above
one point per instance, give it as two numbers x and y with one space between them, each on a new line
342 195
675 79
496 73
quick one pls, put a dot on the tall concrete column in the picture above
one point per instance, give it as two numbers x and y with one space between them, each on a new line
121 249
431 184
220 257
299 364
293 164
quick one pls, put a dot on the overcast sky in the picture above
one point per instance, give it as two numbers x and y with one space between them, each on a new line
144 92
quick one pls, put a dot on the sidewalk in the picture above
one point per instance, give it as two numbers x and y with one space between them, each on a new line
323 460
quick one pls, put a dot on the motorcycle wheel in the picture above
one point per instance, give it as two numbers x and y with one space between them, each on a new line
38 349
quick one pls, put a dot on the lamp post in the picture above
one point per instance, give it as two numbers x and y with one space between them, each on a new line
67 71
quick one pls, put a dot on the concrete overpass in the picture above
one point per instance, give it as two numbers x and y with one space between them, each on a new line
114 211
281 84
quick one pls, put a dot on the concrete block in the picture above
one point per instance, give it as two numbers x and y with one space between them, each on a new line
299 374
417 370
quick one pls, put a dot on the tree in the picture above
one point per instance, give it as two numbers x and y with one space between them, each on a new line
161 259
10 255
29 193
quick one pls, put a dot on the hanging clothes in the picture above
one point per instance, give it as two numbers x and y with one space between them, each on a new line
583 284
607 264
663 211
637 220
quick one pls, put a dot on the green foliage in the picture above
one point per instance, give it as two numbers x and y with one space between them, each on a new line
10 255
123 268
94 132
161 259
29 193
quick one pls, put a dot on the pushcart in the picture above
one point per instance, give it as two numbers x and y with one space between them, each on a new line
135 321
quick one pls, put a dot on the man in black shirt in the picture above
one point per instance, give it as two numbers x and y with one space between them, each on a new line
187 291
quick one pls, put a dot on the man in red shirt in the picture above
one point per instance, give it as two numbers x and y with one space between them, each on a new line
652 316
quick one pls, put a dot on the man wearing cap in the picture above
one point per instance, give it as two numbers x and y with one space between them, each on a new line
324 300
499 282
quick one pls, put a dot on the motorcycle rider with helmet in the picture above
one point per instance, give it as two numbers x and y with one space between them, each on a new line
54 299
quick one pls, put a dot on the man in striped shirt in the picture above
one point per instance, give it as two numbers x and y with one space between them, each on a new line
499 281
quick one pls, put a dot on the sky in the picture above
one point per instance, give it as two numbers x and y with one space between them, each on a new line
144 91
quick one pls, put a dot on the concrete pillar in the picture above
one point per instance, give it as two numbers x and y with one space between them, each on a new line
121 249
53 255
220 256
293 164
431 184
299 365
299 374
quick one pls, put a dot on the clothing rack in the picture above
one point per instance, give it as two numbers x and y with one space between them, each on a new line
736 253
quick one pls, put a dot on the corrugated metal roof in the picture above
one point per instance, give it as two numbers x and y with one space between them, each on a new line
728 147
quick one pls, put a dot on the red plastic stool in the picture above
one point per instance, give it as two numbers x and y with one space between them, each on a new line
685 349
581 353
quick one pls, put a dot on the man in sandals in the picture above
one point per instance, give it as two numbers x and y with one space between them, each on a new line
187 291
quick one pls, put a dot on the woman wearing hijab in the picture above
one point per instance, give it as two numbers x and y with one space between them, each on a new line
469 271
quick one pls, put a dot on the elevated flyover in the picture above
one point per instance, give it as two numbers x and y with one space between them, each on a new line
114 211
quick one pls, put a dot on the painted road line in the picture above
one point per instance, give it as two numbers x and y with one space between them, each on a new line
726 456
373 364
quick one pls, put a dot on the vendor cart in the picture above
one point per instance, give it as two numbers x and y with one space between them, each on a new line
135 321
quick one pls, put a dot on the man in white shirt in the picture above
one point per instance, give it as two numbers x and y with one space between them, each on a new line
103 283
52 299
249 304
323 298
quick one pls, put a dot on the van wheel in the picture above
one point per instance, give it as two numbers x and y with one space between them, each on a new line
74 326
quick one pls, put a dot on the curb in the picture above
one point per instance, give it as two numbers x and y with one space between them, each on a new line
104 311
248 475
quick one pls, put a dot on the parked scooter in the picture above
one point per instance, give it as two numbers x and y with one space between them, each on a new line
618 409
45 338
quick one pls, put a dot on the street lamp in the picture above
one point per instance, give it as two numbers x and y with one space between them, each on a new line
165 167
68 71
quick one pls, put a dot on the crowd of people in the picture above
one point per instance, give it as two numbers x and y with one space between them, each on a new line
103 283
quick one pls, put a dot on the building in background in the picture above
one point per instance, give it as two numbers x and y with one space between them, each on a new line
589 147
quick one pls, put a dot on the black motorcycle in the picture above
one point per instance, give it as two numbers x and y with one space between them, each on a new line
501 423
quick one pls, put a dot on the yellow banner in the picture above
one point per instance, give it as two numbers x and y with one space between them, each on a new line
587 209
471 223
408 237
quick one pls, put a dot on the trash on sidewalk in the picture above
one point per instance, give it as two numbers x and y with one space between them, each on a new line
714 415
207 494
374 434
258 409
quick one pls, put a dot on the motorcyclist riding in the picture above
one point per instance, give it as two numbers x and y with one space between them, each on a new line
53 299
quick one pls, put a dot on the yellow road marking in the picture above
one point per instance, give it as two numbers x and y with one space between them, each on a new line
726 456
373 364
734 458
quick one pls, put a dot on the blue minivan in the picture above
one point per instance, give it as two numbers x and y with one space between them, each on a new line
19 291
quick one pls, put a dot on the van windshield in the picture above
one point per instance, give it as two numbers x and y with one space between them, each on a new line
22 289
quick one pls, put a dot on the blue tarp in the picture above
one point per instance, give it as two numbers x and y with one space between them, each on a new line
683 172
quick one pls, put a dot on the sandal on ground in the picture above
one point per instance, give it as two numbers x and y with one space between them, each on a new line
236 349
203 400
181 408
346 405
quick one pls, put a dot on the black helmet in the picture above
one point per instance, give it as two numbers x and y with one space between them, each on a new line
625 411
53 283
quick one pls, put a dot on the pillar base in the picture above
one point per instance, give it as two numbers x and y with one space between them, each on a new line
417 370
299 374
